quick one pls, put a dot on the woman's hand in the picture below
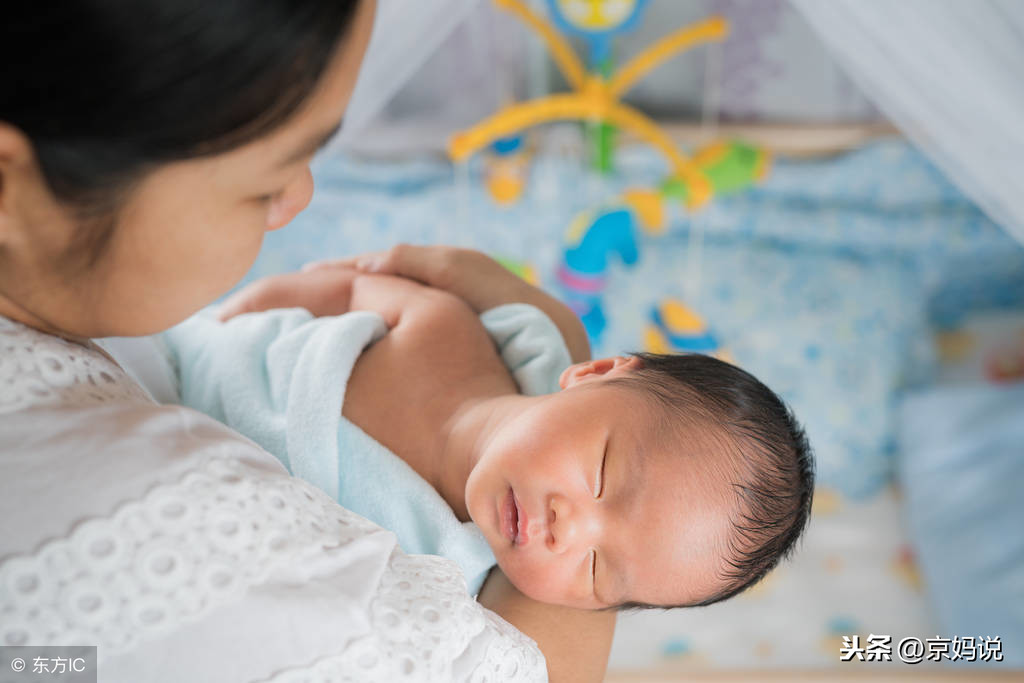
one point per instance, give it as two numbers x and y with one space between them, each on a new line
474 277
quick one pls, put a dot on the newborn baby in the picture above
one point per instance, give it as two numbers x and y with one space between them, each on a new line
647 480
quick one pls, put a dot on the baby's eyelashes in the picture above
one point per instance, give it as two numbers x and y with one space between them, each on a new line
599 484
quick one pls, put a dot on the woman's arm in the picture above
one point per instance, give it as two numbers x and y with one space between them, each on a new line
575 642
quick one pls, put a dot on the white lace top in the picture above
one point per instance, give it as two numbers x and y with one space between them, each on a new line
186 553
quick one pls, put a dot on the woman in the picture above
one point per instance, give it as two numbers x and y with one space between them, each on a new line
145 147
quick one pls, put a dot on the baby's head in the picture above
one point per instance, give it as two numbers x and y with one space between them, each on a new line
649 481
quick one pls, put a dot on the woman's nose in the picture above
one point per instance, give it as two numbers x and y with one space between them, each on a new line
295 197
569 524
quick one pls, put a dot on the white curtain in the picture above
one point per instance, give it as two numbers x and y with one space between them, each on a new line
950 75
405 34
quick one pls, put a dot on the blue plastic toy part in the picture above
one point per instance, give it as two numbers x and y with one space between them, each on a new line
613 231
595 323
506 146
582 279
597 21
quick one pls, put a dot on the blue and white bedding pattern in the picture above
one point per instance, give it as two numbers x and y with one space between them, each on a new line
819 281
962 442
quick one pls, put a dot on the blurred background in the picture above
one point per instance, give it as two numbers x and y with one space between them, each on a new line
870 276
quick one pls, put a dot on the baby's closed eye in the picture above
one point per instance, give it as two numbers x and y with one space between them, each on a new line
599 481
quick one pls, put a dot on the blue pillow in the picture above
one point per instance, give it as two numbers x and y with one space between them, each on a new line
962 468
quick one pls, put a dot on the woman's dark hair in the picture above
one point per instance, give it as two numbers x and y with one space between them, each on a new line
775 464
108 89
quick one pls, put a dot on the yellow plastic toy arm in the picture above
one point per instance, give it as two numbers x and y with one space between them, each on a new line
560 49
710 29
517 117
698 186
582 107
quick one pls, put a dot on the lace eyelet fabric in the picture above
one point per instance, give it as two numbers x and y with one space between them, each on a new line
222 527
41 369
424 623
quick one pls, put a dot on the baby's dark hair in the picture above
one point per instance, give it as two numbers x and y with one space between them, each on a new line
774 461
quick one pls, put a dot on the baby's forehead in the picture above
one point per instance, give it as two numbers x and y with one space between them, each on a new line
685 531
692 499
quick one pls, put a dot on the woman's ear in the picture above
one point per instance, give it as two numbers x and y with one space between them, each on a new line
602 368
16 161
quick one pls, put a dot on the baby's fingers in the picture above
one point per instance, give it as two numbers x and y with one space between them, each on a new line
277 291
246 300
403 259
382 262
349 262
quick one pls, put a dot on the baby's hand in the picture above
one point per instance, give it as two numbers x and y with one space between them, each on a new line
320 291
471 275
474 277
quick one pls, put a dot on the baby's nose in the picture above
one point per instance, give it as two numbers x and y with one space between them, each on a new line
568 525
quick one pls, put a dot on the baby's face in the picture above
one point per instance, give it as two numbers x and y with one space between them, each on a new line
585 506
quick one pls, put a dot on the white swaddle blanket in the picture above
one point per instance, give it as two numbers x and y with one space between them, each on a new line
279 378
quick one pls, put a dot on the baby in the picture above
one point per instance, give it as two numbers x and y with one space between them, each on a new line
646 481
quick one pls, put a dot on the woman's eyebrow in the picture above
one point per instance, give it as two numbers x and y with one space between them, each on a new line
312 145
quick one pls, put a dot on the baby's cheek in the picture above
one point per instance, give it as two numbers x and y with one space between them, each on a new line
538 581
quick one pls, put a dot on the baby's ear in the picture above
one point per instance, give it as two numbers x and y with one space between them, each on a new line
597 369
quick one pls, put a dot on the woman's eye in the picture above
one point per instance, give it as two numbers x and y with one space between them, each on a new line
599 484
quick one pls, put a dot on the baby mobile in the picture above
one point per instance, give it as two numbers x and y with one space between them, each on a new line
596 235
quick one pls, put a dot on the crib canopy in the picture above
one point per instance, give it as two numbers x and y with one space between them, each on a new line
948 73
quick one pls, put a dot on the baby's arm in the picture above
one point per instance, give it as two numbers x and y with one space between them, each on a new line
404 303
323 292
337 290
475 278
470 276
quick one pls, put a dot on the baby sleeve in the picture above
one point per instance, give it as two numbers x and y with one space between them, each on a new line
530 345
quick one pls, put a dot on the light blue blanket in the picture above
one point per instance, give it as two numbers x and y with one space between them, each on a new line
963 445
279 378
